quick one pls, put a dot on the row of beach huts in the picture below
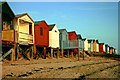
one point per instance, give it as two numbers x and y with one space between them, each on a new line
22 37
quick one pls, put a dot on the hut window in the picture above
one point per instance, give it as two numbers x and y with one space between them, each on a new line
30 28
41 31
55 31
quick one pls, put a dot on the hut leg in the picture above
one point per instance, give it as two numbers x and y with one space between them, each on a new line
44 52
13 53
68 53
51 53
17 52
31 52
57 52
78 53
83 54
34 50
62 50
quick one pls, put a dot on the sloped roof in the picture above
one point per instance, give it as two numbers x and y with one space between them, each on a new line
6 10
79 36
101 43
71 33
84 39
61 30
20 15
51 26
38 22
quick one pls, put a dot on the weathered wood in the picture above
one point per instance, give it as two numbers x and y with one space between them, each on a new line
13 53
6 54
8 35
24 53
17 52
58 53
68 54
44 52
31 52
51 53
83 54
62 51
34 49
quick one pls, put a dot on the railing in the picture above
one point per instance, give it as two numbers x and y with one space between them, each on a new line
8 35
73 44
25 38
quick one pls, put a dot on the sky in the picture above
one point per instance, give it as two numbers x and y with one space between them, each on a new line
93 20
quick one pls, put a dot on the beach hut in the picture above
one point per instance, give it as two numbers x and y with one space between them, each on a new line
90 45
63 40
86 45
81 42
24 26
97 46
111 50
54 39
101 47
41 37
8 32
72 36
106 48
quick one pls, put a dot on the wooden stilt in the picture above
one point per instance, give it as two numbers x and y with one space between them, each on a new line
34 50
31 51
78 49
17 51
51 53
83 54
44 52
62 51
72 54
68 53
58 53
12 55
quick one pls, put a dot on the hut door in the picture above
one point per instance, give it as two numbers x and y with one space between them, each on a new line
30 28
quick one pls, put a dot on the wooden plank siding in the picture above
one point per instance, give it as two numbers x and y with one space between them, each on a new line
53 36
86 45
8 33
24 25
63 38
95 46
41 31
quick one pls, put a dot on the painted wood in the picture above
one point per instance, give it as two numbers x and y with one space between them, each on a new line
51 53
63 38
72 36
111 50
22 23
8 35
95 46
86 46
41 34
54 37
101 47
7 27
